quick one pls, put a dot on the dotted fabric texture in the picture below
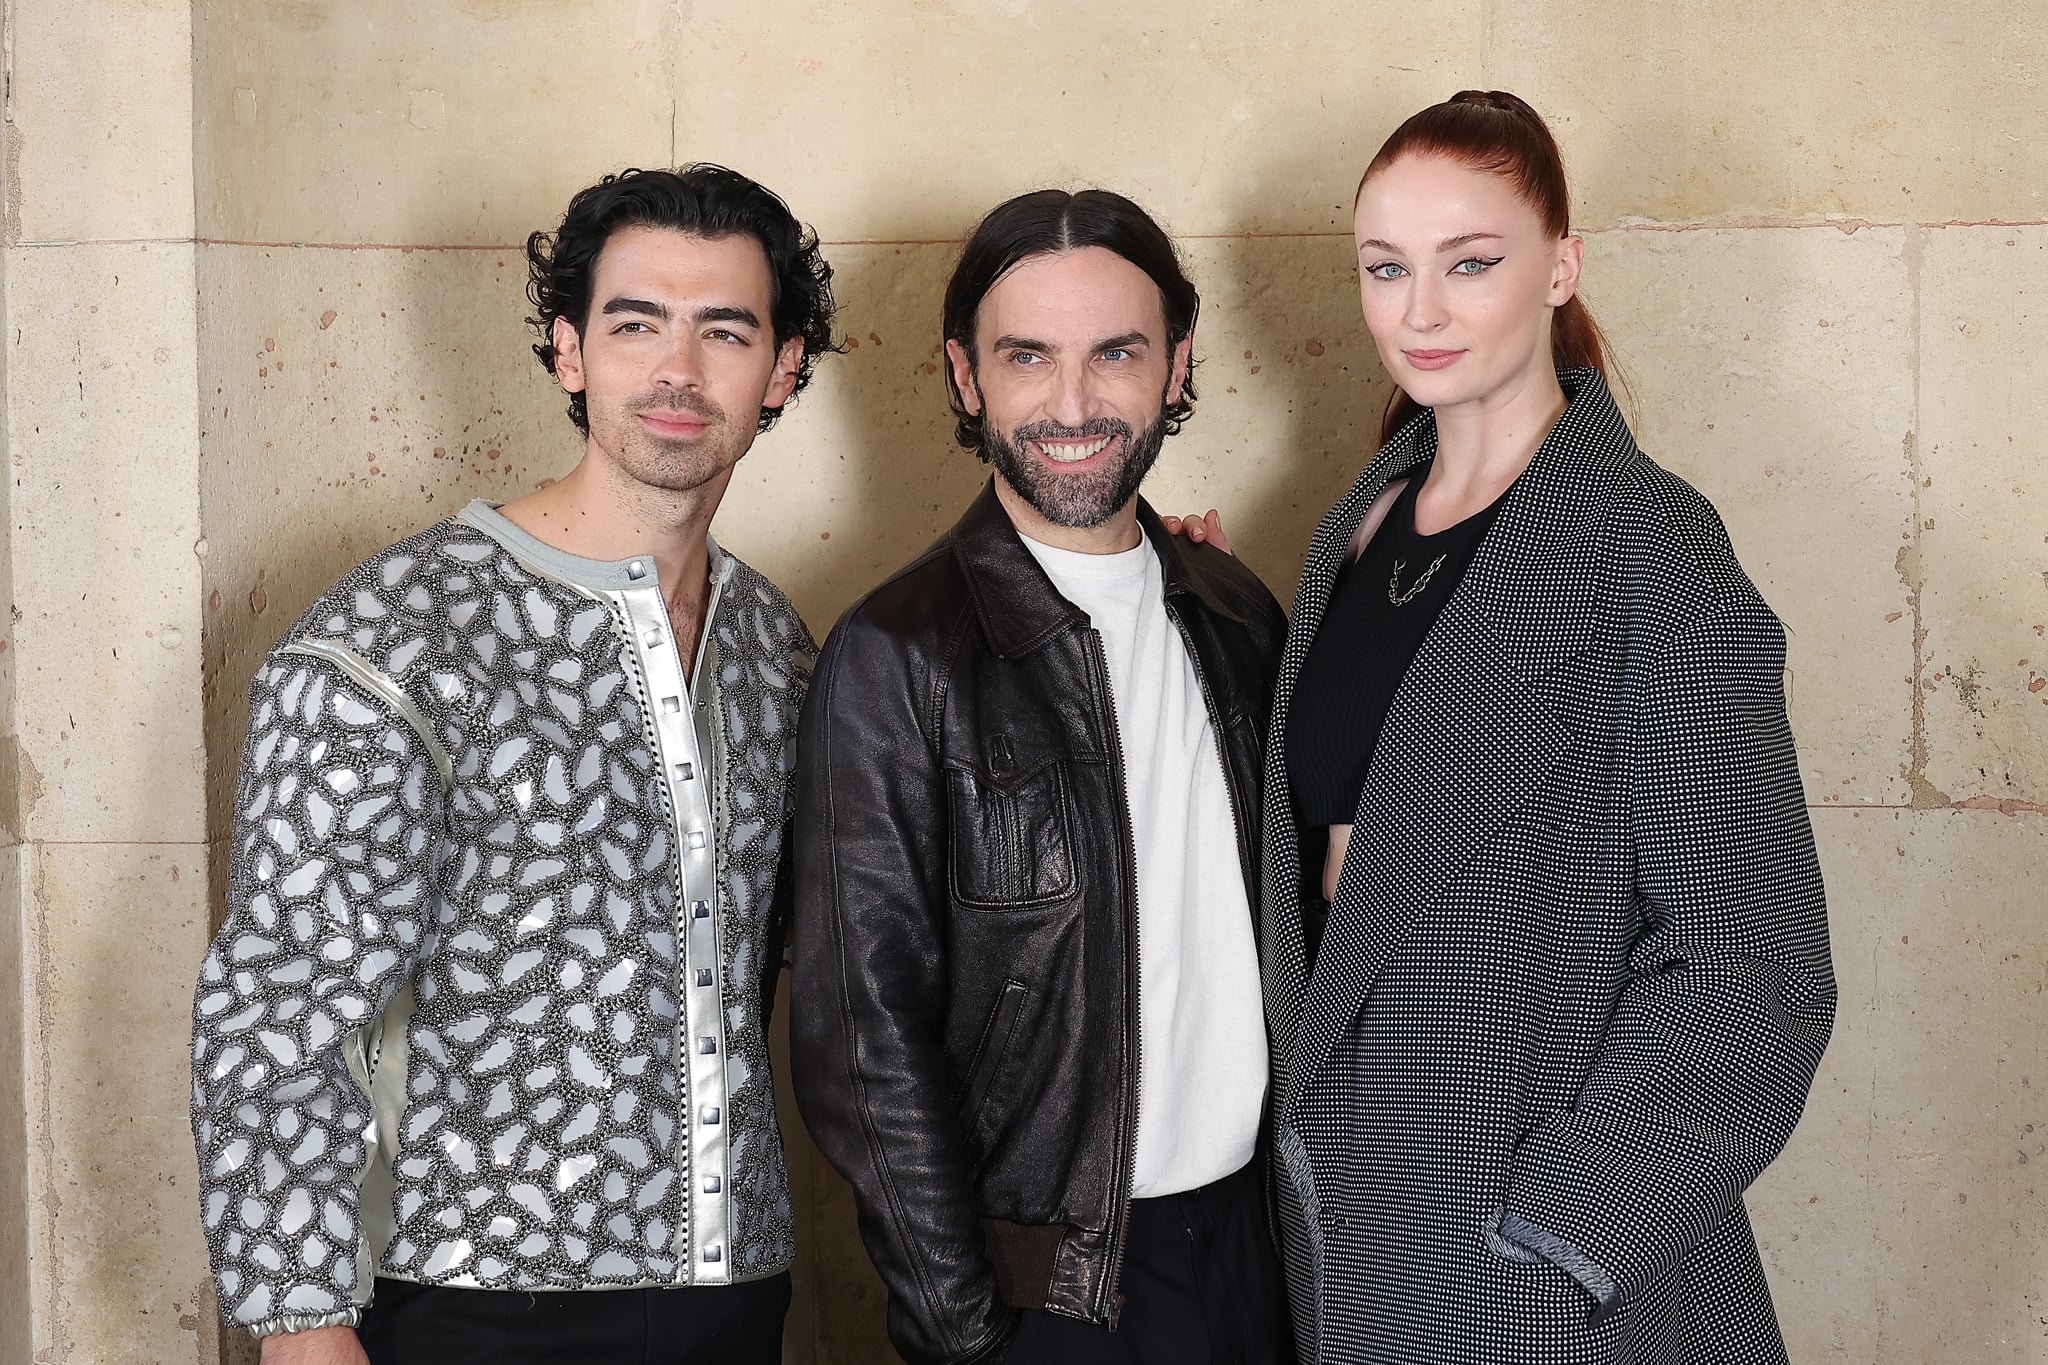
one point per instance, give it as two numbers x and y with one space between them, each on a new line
1577 966
450 798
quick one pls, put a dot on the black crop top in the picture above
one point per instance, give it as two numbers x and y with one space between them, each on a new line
1381 607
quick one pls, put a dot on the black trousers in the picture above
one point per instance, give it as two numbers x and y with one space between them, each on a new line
417 1324
1201 1286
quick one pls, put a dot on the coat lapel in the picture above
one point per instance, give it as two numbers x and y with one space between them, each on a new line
1284 963
1473 731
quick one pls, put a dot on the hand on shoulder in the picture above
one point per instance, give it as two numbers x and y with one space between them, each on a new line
1202 529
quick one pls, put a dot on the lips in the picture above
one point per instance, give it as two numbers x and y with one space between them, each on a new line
1431 359
675 426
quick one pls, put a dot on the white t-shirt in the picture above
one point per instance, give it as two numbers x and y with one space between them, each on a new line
1201 1028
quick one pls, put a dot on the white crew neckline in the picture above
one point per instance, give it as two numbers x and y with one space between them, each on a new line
1080 564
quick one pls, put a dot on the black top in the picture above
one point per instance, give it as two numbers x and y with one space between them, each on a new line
1382 606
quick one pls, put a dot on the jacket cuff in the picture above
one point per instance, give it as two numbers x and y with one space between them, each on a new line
1516 1238
285 1323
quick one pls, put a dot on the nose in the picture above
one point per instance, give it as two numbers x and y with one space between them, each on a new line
1073 396
1426 311
680 364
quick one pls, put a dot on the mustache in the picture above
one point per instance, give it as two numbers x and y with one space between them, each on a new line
678 400
1088 430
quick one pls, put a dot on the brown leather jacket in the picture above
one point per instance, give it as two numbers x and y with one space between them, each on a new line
963 1005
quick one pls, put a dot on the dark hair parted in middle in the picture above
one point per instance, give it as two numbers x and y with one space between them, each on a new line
1045 222
702 200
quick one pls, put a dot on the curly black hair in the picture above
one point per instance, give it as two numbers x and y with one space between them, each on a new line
705 201
1044 222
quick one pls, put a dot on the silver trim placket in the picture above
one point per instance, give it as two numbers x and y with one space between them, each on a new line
687 772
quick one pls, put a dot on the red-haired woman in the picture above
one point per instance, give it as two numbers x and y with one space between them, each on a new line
1546 953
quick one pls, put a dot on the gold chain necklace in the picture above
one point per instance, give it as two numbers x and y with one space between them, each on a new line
1402 599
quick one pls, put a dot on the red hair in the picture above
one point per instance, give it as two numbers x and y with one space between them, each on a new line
1498 133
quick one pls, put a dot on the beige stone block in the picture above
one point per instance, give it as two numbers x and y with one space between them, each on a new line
1774 370
862 472
1291 393
99 120
17 1305
102 440
10 746
908 119
117 931
349 398
1724 110
1982 569
1902 1223
383 121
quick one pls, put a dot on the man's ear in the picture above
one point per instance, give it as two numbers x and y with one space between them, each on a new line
782 383
963 377
568 346
1177 381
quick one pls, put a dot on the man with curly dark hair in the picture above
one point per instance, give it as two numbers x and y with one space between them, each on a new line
485 1029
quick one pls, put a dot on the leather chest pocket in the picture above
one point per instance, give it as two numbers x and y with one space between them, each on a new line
1011 841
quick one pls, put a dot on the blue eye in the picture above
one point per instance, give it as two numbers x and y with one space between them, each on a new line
1116 353
1386 270
1479 265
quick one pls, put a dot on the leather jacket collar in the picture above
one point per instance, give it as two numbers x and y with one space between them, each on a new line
1017 604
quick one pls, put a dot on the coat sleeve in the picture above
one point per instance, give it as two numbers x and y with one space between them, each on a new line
337 811
1730 996
868 997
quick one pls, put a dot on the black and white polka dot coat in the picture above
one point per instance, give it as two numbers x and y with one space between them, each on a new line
1576 973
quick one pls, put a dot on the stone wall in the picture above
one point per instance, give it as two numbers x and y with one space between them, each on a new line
261 278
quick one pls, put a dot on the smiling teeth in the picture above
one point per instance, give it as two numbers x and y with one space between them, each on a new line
1067 453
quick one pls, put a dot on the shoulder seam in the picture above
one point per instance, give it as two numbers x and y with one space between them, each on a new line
373 678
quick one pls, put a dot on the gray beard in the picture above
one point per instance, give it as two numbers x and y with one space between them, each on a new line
1067 499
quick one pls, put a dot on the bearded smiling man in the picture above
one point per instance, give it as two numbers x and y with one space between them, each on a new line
1026 1018
480 1059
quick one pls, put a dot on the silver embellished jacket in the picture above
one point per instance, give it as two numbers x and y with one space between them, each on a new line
489 1006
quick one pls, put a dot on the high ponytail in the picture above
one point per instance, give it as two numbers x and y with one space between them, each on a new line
1498 133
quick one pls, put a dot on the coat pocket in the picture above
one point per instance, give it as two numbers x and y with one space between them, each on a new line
990 1051
1011 837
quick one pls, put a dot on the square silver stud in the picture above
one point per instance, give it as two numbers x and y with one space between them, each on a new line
707 1046
696 838
700 909
708 1116
653 637
714 1254
704 977
686 772
636 570
712 1184
672 705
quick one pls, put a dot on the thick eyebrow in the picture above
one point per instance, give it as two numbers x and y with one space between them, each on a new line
726 312
647 307
716 312
1447 244
1011 342
1125 340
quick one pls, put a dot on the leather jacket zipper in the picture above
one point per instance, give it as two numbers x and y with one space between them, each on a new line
1127 1148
